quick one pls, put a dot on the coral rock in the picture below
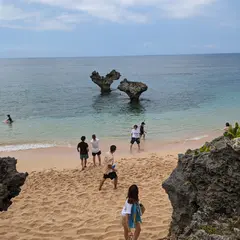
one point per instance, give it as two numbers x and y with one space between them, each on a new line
204 191
10 181
132 89
105 82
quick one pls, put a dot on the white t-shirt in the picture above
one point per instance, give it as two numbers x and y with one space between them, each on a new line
127 208
108 160
95 145
135 133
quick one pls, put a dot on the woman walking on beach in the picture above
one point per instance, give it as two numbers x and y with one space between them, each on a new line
95 149
131 214
82 147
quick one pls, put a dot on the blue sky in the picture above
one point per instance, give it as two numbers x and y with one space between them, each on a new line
65 28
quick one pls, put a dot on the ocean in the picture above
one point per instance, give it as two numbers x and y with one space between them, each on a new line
54 102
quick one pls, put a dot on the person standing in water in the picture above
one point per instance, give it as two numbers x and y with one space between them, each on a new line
82 147
135 137
9 120
109 168
142 130
95 149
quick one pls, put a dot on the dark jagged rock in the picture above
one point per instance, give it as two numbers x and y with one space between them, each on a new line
132 89
105 82
204 191
10 181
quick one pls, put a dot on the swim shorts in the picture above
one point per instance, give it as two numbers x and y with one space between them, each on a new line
83 156
98 153
133 140
111 175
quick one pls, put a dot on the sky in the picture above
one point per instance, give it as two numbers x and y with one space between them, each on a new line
75 28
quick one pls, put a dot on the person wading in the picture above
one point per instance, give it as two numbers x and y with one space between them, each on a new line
135 137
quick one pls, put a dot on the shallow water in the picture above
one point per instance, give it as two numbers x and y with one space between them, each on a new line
53 101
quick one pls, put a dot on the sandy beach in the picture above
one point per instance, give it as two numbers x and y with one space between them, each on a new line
61 202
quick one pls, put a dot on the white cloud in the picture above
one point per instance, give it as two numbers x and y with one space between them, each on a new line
111 10
185 8
73 12
11 13
13 17
64 21
229 24
120 9
210 46
147 44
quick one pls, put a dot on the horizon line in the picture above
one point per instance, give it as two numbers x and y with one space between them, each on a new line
109 56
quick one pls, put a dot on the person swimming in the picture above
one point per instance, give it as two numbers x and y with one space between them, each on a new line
9 120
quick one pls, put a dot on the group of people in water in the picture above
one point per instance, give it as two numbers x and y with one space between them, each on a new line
132 210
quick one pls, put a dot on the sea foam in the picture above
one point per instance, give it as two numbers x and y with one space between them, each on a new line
197 138
9 148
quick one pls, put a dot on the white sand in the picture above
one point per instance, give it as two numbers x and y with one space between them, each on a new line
59 202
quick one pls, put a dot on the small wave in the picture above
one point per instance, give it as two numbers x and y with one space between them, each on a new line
197 138
10 148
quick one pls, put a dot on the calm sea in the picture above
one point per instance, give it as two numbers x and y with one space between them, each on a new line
54 102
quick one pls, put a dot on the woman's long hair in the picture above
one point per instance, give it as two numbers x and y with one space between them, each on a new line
133 194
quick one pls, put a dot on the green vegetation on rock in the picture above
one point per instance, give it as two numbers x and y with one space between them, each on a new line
233 132
210 229
188 152
205 148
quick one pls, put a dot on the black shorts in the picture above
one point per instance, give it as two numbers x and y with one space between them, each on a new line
98 153
133 140
111 175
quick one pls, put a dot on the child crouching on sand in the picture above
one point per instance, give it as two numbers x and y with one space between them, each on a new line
131 213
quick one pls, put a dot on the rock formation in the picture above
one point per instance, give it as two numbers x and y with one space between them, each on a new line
10 181
105 82
204 191
132 89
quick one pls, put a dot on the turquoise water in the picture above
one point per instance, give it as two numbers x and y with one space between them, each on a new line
53 101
